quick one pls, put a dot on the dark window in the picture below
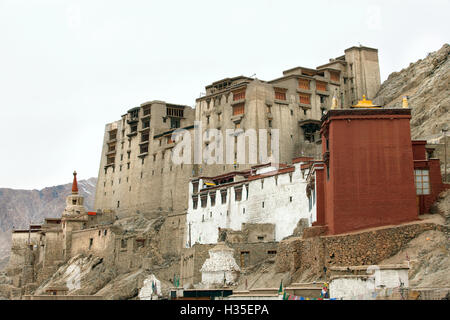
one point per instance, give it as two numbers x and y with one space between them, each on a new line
238 193
245 258
223 194
174 123
203 200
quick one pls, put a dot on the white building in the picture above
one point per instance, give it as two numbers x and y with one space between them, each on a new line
368 282
264 194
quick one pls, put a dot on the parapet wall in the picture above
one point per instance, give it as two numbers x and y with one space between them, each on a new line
361 248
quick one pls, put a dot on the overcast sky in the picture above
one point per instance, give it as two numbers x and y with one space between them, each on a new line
69 67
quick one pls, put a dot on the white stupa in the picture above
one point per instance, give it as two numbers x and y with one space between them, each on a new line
151 289
220 267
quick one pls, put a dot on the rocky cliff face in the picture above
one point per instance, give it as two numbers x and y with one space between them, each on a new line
19 208
426 83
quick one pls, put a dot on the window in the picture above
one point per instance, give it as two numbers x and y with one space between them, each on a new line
195 202
146 110
118 204
105 232
422 178
123 243
174 123
113 134
145 136
203 201
140 243
260 238
239 95
110 160
280 94
323 99
223 194
272 252
270 123
212 196
238 193
334 76
145 123
304 98
144 148
175 112
74 201
263 204
321 86
245 258
91 242
303 84
238 109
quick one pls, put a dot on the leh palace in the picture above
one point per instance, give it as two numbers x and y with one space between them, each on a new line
330 187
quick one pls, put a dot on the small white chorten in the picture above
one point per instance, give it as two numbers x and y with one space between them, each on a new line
220 267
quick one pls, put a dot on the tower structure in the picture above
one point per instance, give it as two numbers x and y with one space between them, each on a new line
74 216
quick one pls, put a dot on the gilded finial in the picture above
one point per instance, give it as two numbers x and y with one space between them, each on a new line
365 103
334 103
405 102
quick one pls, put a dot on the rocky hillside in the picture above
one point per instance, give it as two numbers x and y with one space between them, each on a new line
20 207
426 83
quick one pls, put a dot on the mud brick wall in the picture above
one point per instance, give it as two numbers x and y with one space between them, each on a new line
362 248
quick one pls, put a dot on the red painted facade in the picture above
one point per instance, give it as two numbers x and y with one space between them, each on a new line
421 162
367 177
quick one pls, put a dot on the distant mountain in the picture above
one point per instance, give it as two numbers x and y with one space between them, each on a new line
426 83
19 208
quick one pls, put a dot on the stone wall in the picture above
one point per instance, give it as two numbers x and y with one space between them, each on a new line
97 241
360 248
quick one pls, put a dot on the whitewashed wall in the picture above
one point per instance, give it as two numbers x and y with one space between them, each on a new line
361 288
277 209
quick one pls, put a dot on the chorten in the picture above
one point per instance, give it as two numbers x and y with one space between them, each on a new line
74 202
220 267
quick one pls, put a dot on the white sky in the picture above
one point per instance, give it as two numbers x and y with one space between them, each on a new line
69 67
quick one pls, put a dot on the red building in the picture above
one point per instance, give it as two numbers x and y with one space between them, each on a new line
372 174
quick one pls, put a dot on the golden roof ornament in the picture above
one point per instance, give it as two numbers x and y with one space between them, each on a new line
334 103
405 102
365 103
